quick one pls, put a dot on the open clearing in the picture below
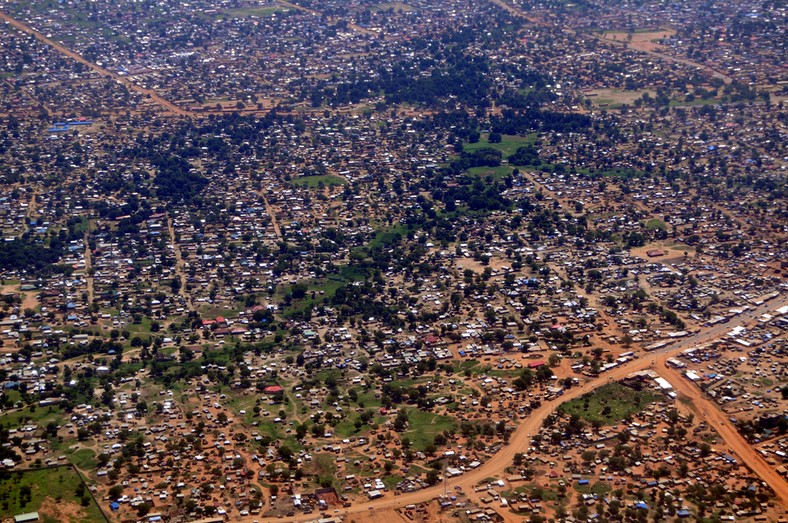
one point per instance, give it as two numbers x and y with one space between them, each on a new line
608 404
396 6
508 144
642 41
245 12
58 494
614 98
314 182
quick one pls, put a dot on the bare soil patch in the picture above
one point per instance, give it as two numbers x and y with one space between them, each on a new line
645 41
61 510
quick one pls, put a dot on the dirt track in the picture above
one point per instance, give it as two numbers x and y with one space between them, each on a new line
168 106
521 438
179 265
708 411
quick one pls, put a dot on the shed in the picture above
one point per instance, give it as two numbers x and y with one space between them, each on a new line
29 516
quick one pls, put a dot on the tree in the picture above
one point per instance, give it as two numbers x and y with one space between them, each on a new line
432 477
143 509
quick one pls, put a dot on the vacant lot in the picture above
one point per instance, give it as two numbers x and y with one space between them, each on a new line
640 40
615 98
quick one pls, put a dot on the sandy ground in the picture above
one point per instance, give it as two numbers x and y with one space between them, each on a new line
61 511
672 254
617 96
29 300
641 41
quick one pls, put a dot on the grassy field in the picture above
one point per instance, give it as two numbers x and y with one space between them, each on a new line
608 404
464 365
424 426
83 459
496 173
597 488
387 236
396 6
328 286
655 224
53 493
34 414
508 144
245 12
696 101
313 182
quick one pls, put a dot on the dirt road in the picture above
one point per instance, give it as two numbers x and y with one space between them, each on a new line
685 61
179 266
521 438
642 49
752 459
271 213
88 265
168 106
318 13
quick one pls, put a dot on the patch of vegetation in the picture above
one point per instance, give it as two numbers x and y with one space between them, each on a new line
318 181
508 143
655 224
496 173
608 404
244 12
25 491
26 254
424 426
175 179
83 459
34 414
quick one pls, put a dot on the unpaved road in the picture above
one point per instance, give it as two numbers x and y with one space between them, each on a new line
516 11
708 411
165 104
88 265
179 266
521 438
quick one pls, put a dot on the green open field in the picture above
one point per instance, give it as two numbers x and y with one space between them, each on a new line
508 144
83 459
655 223
608 404
313 182
424 426
396 6
328 286
496 173
52 492
696 101
34 414
245 12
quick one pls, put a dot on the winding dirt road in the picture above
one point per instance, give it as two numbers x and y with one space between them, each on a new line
521 438
165 104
